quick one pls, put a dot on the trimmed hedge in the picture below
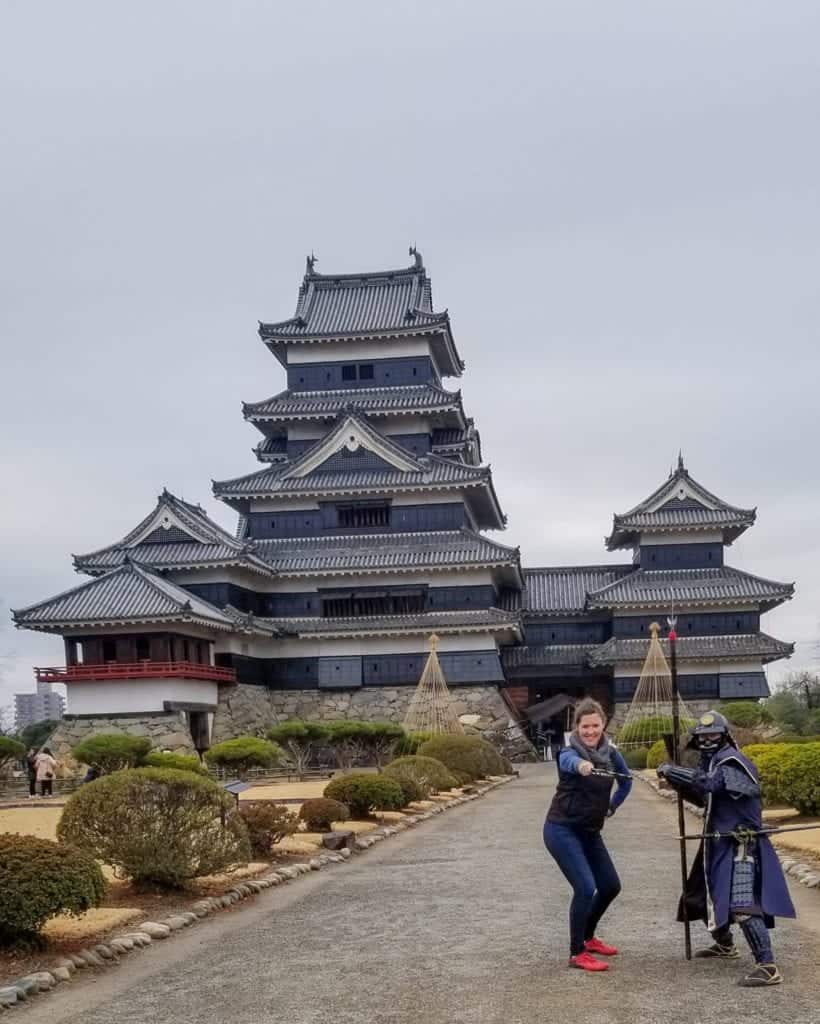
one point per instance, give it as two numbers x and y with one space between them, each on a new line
243 753
410 744
656 754
40 879
636 758
467 755
267 825
112 751
430 774
789 773
364 793
320 813
156 825
182 762
747 714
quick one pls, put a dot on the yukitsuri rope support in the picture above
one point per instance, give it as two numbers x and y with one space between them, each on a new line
431 709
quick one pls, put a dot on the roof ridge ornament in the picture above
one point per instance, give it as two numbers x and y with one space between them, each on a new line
310 263
419 262
681 467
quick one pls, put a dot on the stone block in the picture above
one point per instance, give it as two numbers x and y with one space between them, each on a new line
155 930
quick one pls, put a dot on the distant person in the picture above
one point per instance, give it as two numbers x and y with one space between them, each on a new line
572 831
46 767
92 773
31 772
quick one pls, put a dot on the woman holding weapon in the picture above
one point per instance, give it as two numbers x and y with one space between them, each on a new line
736 876
587 769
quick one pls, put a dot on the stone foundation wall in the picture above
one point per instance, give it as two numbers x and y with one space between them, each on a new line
245 709
168 731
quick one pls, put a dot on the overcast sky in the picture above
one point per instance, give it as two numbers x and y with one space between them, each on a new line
618 203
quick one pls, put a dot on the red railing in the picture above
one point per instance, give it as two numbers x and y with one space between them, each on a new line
135 670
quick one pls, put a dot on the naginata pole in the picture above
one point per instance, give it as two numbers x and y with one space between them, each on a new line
684 871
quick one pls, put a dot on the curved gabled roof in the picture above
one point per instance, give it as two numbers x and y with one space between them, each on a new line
174 535
374 304
680 504
562 590
130 594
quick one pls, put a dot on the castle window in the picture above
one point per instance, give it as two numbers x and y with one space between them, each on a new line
361 517
348 373
366 371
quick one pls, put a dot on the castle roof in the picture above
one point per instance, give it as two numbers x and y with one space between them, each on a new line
487 620
445 550
689 588
410 400
174 535
680 504
738 646
354 459
562 590
371 305
128 595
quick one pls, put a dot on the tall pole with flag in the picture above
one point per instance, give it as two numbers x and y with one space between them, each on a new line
673 666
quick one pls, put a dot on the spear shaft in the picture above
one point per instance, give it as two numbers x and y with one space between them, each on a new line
684 870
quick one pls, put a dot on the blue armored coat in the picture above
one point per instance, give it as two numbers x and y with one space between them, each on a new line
730 790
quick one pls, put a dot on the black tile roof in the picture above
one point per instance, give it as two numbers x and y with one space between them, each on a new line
387 552
689 588
369 305
412 399
692 648
562 590
128 594
487 620
679 504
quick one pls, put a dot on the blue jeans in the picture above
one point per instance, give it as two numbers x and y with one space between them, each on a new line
587 866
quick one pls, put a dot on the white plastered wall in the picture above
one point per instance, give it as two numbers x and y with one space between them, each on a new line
137 695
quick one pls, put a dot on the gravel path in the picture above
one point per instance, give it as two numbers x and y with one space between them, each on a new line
460 921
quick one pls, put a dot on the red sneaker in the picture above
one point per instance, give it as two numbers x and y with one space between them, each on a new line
587 962
594 945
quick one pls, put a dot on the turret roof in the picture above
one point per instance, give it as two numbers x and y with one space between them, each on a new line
370 305
679 504
129 594
690 588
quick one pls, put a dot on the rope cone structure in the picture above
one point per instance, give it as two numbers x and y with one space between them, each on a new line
650 713
430 709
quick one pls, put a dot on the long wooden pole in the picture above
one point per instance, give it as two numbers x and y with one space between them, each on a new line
684 870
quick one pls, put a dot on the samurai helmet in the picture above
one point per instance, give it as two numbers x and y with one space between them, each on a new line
710 733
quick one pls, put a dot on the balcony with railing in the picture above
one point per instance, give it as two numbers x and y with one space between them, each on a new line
123 670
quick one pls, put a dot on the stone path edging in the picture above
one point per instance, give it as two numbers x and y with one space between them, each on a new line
108 953
806 874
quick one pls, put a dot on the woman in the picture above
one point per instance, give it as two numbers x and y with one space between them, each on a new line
572 831
46 766
31 772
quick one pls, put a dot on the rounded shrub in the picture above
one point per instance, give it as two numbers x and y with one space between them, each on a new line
40 879
112 751
267 825
182 762
410 743
744 713
412 790
430 774
156 825
364 793
799 778
243 753
468 755
636 758
656 754
320 813
646 730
